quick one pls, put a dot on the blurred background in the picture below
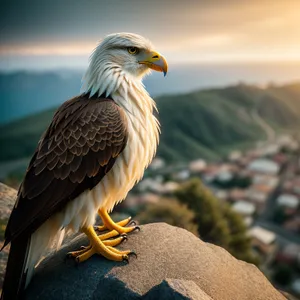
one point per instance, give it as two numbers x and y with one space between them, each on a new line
227 167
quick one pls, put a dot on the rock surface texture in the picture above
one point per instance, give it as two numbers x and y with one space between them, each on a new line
7 200
172 264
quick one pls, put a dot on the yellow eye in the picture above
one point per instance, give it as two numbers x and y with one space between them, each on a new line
133 50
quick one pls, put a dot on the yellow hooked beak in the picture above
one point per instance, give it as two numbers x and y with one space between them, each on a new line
154 61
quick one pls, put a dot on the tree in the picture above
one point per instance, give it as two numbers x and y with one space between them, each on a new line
217 222
240 242
212 227
171 212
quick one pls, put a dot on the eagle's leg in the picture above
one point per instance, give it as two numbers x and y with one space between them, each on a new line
99 247
121 223
111 225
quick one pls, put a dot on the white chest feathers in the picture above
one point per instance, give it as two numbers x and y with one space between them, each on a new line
143 134
129 167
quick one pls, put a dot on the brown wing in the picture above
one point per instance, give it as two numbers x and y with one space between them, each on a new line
78 149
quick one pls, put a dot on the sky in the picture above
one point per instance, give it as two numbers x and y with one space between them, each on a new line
50 33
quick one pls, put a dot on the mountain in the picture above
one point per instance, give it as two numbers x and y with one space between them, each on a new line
210 123
207 123
23 93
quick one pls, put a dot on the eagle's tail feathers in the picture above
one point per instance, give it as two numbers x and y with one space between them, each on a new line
25 254
15 278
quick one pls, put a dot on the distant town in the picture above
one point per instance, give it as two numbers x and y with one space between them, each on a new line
262 185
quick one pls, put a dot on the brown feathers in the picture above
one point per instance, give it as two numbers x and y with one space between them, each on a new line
78 149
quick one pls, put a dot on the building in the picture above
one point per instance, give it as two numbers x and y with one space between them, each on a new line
263 240
244 208
288 201
264 166
197 166
257 197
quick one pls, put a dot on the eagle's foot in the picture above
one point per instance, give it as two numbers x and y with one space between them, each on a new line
104 248
108 223
109 243
121 223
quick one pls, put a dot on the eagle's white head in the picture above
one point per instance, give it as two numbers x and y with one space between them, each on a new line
121 57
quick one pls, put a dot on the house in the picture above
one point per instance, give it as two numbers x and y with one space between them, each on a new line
244 208
197 166
264 166
224 176
170 187
263 240
257 197
288 201
235 155
268 180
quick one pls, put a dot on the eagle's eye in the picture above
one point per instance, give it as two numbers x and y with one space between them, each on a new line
133 50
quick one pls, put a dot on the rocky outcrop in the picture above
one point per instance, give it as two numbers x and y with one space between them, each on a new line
7 201
172 264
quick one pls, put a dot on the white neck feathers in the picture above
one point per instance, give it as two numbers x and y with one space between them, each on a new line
109 80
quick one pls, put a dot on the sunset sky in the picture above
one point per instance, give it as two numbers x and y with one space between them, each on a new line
53 33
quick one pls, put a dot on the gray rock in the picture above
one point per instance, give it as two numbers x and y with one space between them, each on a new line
172 264
176 289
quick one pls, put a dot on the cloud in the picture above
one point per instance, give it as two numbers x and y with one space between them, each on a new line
183 30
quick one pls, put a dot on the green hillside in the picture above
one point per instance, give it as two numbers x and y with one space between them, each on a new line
207 123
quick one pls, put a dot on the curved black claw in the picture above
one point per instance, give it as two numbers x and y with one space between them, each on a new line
124 236
96 228
77 262
83 247
69 255
132 222
125 258
137 228
132 253
74 259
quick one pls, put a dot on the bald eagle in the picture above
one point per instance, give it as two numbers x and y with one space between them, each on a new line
94 151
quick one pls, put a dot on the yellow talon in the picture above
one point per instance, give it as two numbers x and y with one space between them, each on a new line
126 252
115 242
108 223
79 252
98 246
108 235
121 223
